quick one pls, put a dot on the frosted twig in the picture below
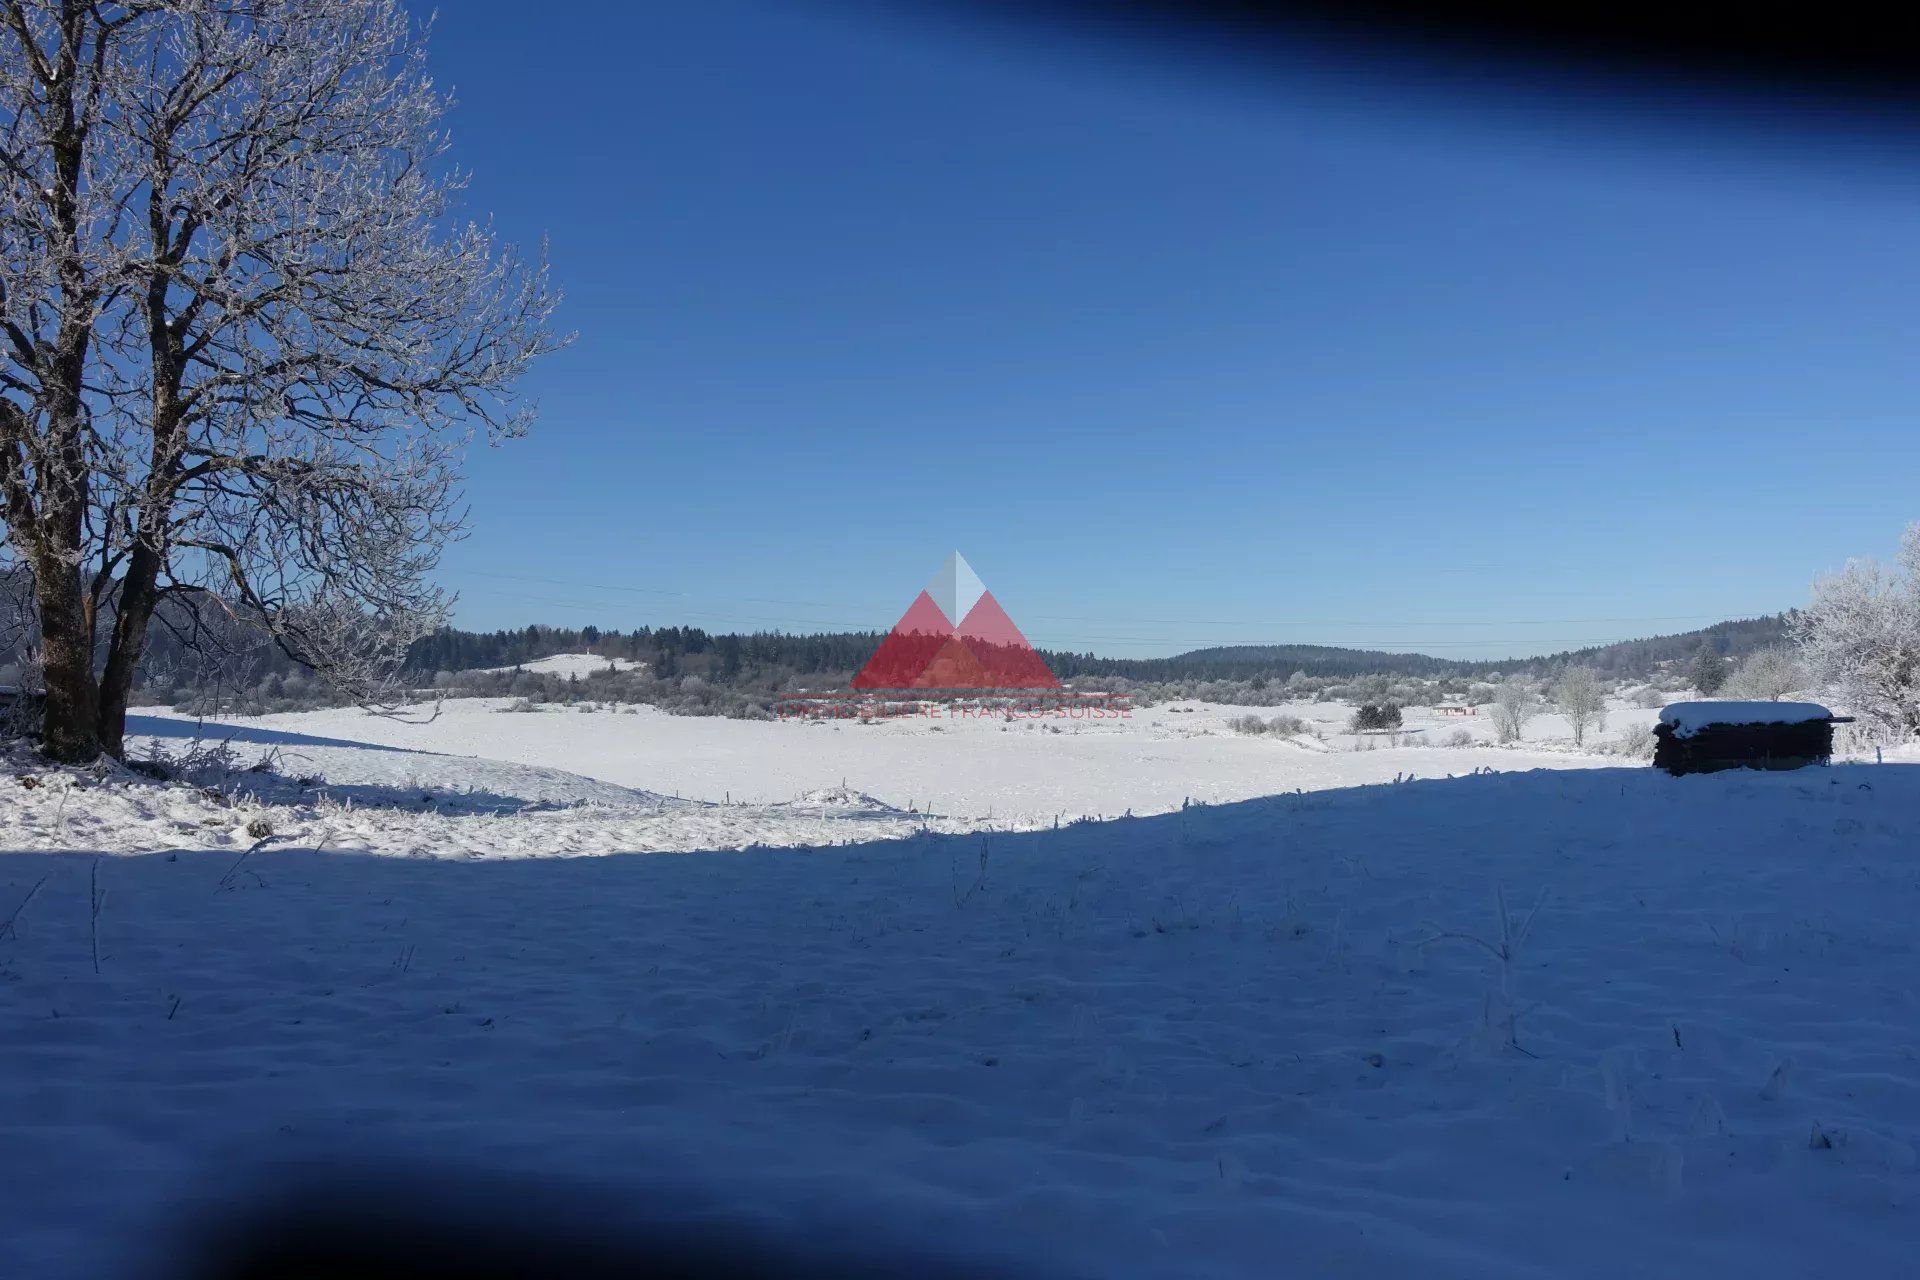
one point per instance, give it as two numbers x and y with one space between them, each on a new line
96 898
1501 1017
226 881
6 926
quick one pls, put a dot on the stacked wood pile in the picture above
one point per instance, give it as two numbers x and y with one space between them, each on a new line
1744 746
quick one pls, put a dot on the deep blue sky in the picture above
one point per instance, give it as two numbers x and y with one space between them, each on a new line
1173 357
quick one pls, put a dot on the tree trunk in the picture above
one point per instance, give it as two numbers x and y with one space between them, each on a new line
69 731
131 619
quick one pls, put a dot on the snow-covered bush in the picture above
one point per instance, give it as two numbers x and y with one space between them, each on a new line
1860 639
1766 675
1635 742
1278 726
20 705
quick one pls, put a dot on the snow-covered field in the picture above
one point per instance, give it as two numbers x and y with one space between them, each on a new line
1027 772
1253 1038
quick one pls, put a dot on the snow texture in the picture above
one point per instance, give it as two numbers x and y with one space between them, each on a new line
572 664
1028 772
1228 1040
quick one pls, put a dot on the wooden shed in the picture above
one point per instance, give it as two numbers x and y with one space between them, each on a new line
1703 737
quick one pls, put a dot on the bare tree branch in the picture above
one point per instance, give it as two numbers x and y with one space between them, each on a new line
245 341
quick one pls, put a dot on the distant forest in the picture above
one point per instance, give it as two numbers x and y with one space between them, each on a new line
694 671
676 651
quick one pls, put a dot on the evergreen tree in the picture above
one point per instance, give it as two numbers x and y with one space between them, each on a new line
1708 670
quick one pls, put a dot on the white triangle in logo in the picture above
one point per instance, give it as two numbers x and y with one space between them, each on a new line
956 588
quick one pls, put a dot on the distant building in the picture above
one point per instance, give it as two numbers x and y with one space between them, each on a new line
1456 709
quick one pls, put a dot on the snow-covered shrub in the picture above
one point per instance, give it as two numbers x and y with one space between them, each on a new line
1636 742
198 761
1766 675
1860 639
1499 1018
19 716
1279 726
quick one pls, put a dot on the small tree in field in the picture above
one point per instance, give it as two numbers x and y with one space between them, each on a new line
1859 637
1579 697
1767 675
1375 716
1708 670
1514 704
241 346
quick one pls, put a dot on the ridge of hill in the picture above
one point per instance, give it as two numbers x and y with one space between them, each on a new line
1734 638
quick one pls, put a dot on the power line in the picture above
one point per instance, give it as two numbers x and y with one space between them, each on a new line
1175 622
1047 640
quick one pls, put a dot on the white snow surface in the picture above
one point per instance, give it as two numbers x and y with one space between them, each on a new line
572 664
1028 772
1237 1039
1688 718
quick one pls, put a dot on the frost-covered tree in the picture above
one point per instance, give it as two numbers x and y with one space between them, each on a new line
1708 670
1579 696
1514 704
1859 638
1766 675
242 346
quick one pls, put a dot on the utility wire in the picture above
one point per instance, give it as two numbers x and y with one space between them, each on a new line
1054 617
1076 641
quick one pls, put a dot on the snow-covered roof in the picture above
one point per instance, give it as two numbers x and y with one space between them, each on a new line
1688 718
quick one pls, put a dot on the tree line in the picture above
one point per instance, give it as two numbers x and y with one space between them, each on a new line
675 650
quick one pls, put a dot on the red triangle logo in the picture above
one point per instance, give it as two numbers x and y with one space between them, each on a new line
926 650
1005 657
954 667
908 649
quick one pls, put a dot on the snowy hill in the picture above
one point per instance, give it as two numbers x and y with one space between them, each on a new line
572 664
1184 1045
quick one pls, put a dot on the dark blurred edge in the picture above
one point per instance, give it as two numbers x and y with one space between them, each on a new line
395 1218
1844 54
